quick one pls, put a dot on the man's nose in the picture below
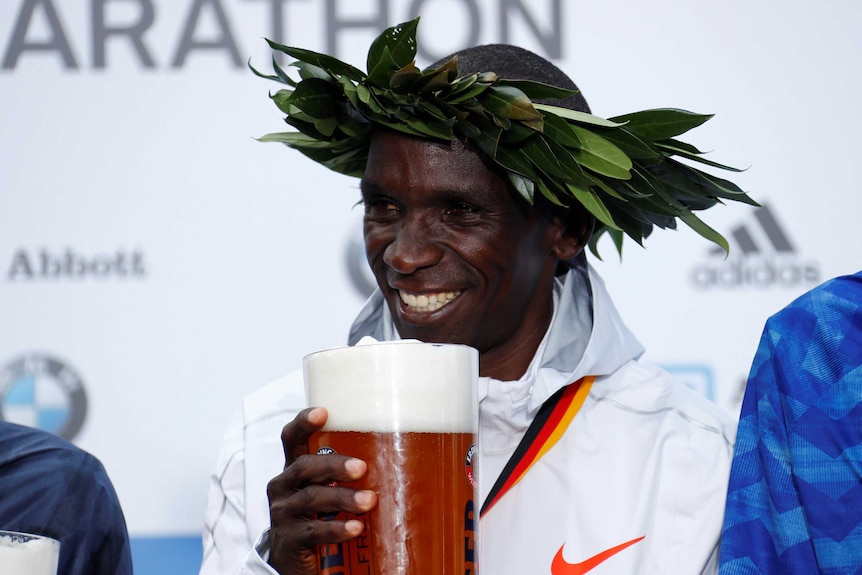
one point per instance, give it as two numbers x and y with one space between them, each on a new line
414 246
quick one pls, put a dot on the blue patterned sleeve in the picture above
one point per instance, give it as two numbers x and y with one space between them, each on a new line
794 502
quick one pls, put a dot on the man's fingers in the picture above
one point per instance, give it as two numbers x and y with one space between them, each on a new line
308 470
292 549
310 517
314 503
304 505
294 435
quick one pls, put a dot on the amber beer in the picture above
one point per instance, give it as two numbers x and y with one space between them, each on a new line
408 409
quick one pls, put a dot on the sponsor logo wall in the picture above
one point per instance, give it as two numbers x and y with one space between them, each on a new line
157 263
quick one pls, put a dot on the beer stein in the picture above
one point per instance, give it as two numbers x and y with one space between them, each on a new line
409 410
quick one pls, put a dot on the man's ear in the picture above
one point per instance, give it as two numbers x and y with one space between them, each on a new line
575 228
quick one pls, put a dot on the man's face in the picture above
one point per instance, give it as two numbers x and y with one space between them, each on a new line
457 258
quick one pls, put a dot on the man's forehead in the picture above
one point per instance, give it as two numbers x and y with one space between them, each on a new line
398 162
385 134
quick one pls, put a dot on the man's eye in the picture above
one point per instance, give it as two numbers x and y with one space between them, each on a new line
380 206
462 209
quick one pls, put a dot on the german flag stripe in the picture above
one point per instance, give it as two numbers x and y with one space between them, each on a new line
547 428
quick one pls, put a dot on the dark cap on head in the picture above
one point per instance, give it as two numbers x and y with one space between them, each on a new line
515 63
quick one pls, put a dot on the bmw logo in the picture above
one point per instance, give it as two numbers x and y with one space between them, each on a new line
39 390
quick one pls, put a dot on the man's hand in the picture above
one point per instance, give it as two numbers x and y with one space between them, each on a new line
303 490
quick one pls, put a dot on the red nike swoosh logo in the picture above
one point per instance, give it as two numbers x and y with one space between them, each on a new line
561 567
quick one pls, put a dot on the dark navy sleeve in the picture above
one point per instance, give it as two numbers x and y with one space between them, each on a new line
794 502
50 487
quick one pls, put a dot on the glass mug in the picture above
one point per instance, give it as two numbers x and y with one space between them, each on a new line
409 410
28 554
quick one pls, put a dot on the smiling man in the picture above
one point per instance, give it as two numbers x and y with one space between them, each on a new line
441 226
479 203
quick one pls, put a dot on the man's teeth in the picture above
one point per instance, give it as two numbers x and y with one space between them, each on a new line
428 302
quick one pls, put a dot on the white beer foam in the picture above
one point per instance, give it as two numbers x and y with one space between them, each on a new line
22 554
397 386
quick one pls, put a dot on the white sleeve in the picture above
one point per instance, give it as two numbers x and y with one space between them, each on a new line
251 453
256 559
228 547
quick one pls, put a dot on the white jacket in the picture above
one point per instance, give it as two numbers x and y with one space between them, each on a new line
635 484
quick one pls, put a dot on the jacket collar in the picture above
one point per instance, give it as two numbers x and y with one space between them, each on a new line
586 335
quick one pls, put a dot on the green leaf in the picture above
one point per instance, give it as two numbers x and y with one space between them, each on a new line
525 187
567 161
350 89
695 182
488 78
723 188
680 145
400 126
615 235
403 80
605 187
704 230
517 132
275 77
560 131
669 205
333 65
601 156
535 125
461 84
381 73
295 139
326 126
363 93
451 68
631 220
438 130
353 127
538 90
472 92
581 117
467 129
282 99
593 203
504 123
509 102
394 49
432 82
548 193
307 127
695 158
515 161
639 187
434 111
280 75
314 97
633 146
541 156
307 71
663 123
488 138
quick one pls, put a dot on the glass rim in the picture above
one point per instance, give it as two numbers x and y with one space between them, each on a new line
25 536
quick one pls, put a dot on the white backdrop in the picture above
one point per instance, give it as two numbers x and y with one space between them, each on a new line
159 261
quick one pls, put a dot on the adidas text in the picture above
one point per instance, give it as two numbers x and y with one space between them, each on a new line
756 273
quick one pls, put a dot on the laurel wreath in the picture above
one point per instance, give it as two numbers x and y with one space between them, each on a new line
620 169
